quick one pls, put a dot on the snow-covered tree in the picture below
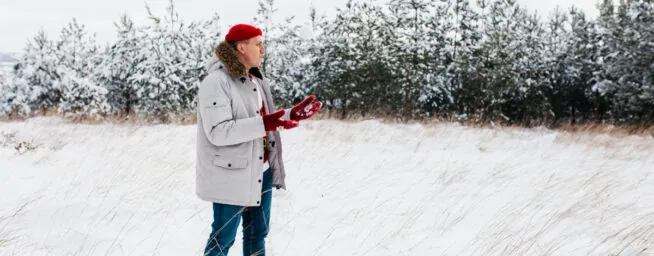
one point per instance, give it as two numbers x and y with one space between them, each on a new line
334 66
117 66
465 81
528 101
5 94
155 69
569 59
499 45
352 63
33 86
436 95
375 92
605 46
77 53
632 61
170 63
404 58
413 51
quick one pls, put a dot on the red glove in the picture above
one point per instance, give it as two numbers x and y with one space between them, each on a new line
273 121
303 110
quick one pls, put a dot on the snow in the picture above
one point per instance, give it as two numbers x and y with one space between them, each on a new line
363 188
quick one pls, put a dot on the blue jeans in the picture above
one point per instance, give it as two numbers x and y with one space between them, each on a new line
256 221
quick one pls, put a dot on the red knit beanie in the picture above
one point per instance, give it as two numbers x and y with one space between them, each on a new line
242 32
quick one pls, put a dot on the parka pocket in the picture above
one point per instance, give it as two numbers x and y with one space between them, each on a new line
217 109
231 162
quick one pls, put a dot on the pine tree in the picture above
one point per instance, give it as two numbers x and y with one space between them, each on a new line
6 96
412 51
78 55
171 58
605 46
436 95
117 67
528 100
498 58
631 62
35 74
575 70
373 90
556 49
334 69
352 64
464 78
159 88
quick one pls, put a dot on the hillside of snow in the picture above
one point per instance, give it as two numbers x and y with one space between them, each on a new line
6 63
364 188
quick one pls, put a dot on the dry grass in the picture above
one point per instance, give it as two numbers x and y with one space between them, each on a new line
615 130
6 234
134 119
112 119
591 128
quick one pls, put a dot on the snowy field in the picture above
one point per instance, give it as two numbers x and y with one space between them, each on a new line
362 188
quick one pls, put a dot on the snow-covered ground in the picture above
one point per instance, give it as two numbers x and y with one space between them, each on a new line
363 188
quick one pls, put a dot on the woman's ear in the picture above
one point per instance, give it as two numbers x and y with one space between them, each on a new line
239 48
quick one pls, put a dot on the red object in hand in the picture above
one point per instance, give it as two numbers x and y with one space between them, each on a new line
305 110
273 121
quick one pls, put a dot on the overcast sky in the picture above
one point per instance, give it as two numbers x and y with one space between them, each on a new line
20 20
